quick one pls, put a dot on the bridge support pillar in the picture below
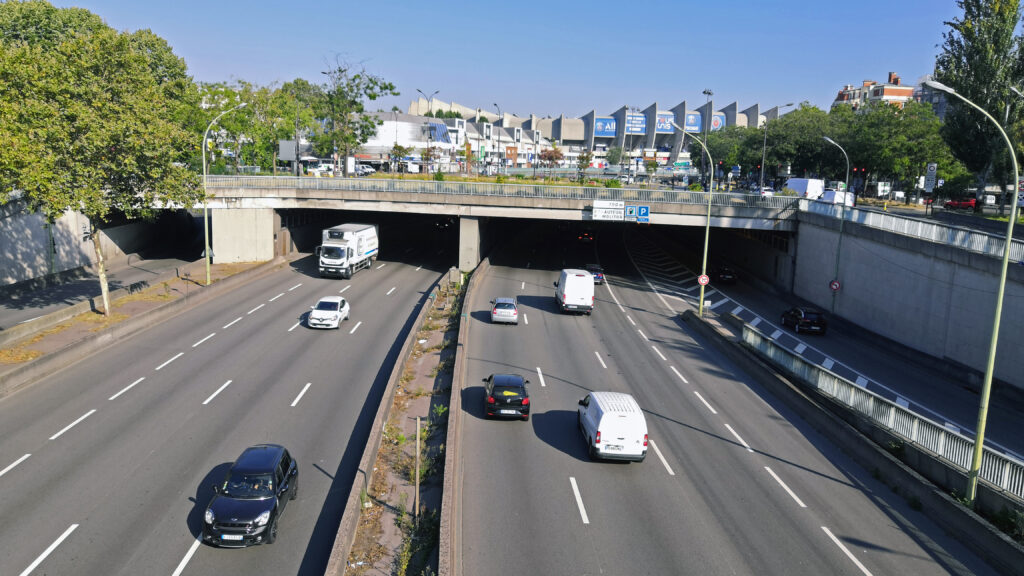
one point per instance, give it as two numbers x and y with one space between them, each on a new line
243 234
469 243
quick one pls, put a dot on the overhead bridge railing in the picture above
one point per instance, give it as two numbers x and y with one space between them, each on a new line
997 469
512 190
964 238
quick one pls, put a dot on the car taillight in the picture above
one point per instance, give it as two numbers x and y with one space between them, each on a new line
597 439
490 399
526 401
645 440
494 311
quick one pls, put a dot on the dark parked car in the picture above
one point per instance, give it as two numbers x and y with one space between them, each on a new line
597 272
246 506
506 395
723 275
804 319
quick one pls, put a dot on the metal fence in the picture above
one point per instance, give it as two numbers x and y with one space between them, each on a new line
997 469
964 238
511 190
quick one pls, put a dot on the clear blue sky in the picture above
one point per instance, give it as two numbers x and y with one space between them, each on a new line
556 56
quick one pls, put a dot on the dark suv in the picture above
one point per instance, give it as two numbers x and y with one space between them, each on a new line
245 508
506 395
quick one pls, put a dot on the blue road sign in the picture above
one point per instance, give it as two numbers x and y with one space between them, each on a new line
630 212
643 214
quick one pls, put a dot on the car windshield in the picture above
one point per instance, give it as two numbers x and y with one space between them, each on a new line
328 306
331 252
248 486
810 315
504 306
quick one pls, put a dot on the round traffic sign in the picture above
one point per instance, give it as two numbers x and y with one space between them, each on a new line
703 280
834 285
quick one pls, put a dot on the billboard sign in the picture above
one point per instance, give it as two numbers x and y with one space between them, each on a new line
604 127
717 121
692 122
663 123
636 124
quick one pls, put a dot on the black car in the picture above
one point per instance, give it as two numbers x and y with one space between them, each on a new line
246 506
505 395
805 319
597 272
723 275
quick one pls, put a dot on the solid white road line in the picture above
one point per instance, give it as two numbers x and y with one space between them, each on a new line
225 385
540 375
381 266
662 458
179 355
299 397
522 286
783 484
418 268
70 426
29 320
601 360
297 324
276 297
579 500
390 291
345 288
13 464
630 320
126 388
226 326
354 328
212 334
846 551
642 335
294 287
47 552
255 309
706 404
800 348
747 446
681 377
617 303
658 352
188 556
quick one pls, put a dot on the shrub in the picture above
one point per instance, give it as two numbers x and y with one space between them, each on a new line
612 183
438 176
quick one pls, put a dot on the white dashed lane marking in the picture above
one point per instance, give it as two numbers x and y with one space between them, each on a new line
48 550
299 397
706 403
662 458
13 464
214 395
846 551
126 388
741 440
354 328
276 297
601 360
73 424
255 309
179 355
228 325
786 488
212 334
579 500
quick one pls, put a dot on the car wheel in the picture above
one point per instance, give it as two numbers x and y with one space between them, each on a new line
295 488
272 532
526 418
796 327
783 321
591 450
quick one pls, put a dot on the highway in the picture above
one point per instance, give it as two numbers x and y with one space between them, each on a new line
107 467
733 483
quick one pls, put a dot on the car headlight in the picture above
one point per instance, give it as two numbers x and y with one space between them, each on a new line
208 516
262 519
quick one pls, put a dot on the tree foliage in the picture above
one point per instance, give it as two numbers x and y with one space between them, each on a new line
614 155
349 125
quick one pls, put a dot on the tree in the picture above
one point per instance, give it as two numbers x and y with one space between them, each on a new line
614 155
398 152
350 126
92 128
981 59
583 162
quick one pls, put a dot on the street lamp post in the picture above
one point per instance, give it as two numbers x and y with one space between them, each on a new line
707 224
764 148
986 388
707 125
206 223
430 100
497 139
842 217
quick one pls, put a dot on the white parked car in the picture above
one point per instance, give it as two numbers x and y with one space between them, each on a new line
328 313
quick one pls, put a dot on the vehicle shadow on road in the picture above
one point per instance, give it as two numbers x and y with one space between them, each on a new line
557 428
204 493
473 401
542 303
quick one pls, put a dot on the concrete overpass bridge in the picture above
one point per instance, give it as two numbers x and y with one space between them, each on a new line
244 207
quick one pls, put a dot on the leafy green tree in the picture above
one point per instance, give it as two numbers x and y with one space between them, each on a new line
583 162
614 155
981 59
349 125
91 128
397 153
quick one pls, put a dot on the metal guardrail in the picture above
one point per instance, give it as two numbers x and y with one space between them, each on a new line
997 469
512 190
963 238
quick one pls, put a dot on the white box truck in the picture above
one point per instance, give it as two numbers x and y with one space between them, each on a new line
574 291
346 249
810 188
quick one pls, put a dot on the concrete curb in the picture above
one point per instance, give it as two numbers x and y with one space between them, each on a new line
51 363
346 535
979 536
449 545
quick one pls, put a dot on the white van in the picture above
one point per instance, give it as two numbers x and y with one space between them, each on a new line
574 291
613 426
836 197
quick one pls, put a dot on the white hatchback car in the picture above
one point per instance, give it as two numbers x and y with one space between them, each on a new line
328 313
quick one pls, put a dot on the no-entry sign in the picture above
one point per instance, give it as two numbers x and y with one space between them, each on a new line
834 285
703 280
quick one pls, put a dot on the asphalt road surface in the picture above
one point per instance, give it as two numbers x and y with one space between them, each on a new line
733 483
